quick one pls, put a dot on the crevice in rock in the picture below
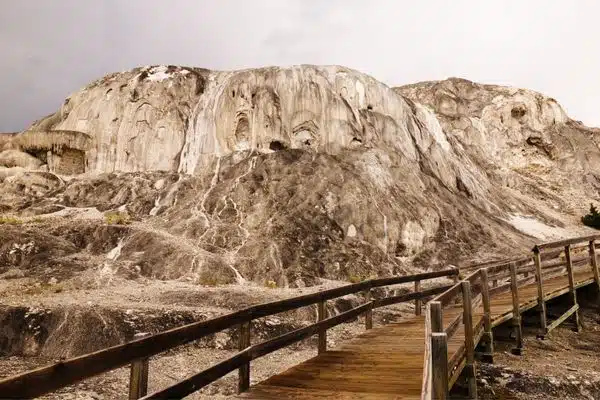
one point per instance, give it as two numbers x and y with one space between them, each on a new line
276 145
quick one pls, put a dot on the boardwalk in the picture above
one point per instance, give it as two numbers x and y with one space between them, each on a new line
419 357
387 362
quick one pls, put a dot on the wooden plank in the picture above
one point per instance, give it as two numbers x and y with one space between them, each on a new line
516 310
451 273
427 380
469 339
563 317
456 374
138 379
594 262
386 301
244 370
418 302
540 289
138 376
321 315
453 327
566 242
581 260
520 271
439 361
487 315
437 323
505 287
474 277
449 295
572 290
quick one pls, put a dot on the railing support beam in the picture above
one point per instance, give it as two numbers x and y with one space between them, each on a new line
469 370
439 353
594 262
321 315
418 302
516 320
244 370
488 336
572 289
540 289
138 377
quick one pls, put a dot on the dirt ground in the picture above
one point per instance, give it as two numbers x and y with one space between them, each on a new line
562 366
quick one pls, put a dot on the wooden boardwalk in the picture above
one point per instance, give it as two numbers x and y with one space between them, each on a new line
418 357
387 362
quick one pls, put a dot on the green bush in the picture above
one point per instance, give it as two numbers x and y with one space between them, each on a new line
592 219
117 218
271 284
9 220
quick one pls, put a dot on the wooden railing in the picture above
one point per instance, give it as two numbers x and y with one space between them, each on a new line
548 260
136 353
471 293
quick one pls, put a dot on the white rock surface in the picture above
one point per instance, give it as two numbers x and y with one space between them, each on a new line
174 118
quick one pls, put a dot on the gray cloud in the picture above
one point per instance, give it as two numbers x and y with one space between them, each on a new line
50 49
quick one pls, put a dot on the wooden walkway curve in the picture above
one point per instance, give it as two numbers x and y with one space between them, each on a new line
419 357
387 362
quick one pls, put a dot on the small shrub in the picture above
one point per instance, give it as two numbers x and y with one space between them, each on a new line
271 284
355 279
117 218
592 219
208 280
9 220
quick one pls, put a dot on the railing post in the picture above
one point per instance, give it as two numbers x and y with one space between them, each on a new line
244 370
469 339
437 324
439 353
455 280
514 287
321 315
138 377
488 356
537 259
418 302
572 289
594 262
369 312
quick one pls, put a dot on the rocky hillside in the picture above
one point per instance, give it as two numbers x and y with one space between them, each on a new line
292 175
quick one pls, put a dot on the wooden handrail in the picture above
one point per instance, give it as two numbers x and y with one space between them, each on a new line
199 380
449 295
546 260
564 242
386 301
52 377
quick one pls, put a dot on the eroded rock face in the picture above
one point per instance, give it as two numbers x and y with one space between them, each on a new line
290 175
172 118
137 119
521 139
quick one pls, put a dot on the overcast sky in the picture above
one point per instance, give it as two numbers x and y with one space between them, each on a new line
50 48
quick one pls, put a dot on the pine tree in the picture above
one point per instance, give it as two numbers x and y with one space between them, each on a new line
593 218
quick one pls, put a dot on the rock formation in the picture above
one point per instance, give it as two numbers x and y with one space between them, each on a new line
295 174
